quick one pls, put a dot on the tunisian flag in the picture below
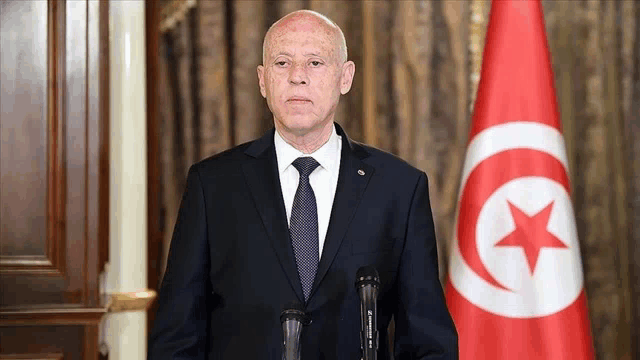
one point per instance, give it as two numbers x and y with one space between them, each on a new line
516 288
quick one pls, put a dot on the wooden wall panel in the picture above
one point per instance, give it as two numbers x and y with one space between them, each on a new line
53 356
54 342
29 242
53 177
46 237
97 167
75 146
23 164
19 269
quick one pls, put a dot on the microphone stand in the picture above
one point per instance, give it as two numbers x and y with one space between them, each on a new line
367 285
292 319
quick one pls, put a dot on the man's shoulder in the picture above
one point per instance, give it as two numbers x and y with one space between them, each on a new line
223 162
388 163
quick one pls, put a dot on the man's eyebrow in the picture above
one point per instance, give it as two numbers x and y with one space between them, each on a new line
305 54
282 53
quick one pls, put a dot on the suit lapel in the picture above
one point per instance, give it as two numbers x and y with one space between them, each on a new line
352 181
261 174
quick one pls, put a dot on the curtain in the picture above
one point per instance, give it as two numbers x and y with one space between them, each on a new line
417 68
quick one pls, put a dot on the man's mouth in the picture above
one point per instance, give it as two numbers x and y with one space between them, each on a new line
298 100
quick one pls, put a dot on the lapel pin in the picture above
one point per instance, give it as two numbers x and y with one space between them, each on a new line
361 172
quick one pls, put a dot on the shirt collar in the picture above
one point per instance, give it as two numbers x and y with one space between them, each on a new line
327 155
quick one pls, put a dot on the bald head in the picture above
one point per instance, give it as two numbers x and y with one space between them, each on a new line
301 19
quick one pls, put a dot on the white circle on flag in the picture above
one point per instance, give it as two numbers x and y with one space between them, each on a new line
557 278
554 284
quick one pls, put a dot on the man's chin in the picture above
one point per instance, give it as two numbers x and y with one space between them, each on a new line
302 128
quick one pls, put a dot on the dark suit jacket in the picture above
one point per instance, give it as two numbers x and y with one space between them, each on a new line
231 267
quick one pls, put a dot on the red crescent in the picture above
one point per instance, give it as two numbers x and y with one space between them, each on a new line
484 180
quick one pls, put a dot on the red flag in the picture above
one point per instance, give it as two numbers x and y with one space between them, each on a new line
516 288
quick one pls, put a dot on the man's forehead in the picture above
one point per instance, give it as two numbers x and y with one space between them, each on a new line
304 20
303 29
302 36
310 41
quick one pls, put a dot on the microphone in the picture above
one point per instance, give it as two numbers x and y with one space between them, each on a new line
292 318
367 285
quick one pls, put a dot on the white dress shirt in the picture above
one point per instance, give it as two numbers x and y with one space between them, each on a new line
323 180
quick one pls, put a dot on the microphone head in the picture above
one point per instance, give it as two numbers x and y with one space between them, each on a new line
367 275
293 311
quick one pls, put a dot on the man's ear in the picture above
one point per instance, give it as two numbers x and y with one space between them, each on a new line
261 81
348 70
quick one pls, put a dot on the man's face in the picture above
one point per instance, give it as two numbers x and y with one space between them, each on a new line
302 77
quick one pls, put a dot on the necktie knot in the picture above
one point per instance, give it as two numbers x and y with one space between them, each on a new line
305 166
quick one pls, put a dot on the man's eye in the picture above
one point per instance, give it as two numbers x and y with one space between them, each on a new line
316 63
281 63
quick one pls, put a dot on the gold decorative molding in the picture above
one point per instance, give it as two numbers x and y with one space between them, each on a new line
477 31
130 301
51 356
174 11
369 103
51 315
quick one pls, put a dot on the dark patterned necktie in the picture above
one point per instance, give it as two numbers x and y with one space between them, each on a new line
304 225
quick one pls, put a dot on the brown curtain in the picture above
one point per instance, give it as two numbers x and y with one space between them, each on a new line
417 66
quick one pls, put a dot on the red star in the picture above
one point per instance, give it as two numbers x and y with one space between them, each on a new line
531 234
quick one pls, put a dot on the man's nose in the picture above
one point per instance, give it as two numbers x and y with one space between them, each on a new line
298 75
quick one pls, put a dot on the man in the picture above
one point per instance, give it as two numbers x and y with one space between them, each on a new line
291 217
